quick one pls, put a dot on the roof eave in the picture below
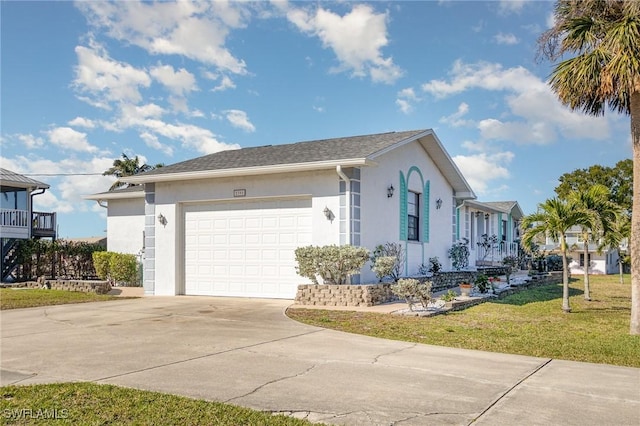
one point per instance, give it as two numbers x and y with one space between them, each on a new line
114 195
248 171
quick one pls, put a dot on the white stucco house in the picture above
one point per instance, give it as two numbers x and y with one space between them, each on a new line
597 262
227 224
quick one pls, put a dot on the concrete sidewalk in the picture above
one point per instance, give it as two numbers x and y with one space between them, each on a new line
247 352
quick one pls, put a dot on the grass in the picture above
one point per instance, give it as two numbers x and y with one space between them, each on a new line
95 404
29 298
528 323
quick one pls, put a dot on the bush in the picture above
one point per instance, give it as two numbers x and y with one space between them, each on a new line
101 261
383 266
385 269
412 290
482 282
124 269
117 268
333 263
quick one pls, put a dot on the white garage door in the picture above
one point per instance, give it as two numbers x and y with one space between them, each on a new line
245 249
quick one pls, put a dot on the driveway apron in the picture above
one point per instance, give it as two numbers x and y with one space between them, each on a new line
247 352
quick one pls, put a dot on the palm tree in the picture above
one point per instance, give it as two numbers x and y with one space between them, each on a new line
604 36
601 216
553 219
127 167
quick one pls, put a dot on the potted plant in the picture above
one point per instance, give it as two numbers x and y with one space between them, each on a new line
465 289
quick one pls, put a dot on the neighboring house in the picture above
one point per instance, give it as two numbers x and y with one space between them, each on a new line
605 262
228 223
492 229
18 221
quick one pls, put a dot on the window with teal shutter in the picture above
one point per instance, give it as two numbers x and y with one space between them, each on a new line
403 208
425 213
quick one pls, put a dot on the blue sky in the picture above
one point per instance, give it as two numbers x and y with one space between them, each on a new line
83 82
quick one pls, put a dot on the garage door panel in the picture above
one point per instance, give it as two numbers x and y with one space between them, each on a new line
251 247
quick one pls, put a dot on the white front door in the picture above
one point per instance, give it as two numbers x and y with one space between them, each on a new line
245 249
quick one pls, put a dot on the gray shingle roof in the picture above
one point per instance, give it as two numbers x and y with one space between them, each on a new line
295 153
9 178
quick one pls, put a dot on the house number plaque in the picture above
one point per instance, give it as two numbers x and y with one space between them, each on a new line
239 192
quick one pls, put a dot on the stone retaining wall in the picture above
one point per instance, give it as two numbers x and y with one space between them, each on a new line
344 295
98 287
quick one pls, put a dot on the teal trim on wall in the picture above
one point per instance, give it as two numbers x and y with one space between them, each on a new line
457 224
403 208
509 228
425 212
499 226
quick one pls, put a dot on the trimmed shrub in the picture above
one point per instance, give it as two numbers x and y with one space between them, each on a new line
412 290
385 269
117 268
124 269
101 260
333 263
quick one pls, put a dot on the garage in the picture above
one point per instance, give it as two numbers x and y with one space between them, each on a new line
245 249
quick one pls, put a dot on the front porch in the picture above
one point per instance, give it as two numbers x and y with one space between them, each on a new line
493 254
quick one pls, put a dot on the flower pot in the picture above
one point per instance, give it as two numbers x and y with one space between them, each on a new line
465 289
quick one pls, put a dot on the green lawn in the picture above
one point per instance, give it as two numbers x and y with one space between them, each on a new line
528 323
28 298
93 404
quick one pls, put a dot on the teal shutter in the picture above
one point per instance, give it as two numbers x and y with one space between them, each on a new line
499 226
403 208
425 213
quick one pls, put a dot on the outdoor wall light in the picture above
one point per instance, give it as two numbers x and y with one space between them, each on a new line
486 215
478 214
328 214
162 219
390 191
438 203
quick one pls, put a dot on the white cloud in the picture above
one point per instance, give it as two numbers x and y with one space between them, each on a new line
179 82
481 169
67 138
356 38
152 141
82 122
240 120
30 141
535 115
193 29
225 83
102 80
456 119
508 39
507 7
202 140
406 98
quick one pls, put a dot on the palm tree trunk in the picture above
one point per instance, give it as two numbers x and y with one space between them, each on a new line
634 243
620 269
565 276
587 290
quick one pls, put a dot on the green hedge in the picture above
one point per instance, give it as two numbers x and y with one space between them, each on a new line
118 268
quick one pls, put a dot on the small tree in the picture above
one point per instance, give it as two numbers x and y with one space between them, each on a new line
459 254
509 262
412 290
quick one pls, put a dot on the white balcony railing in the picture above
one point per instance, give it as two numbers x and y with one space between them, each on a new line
15 218
493 254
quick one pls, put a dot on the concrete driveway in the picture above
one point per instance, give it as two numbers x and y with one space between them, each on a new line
246 352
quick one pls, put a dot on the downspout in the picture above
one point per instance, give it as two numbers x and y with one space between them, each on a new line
347 203
104 206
